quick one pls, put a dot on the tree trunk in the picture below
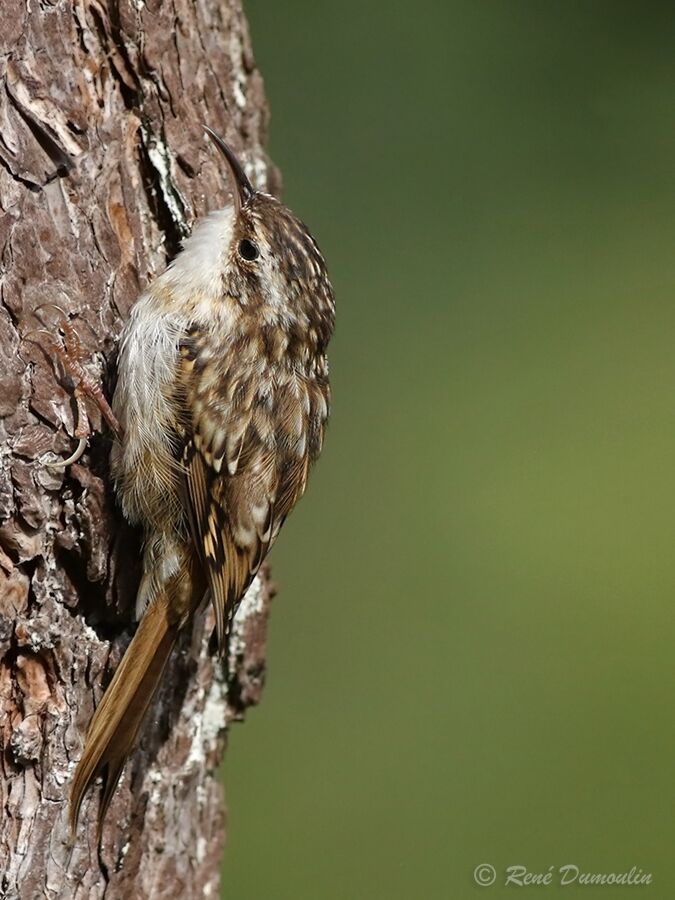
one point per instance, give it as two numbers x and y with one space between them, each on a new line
103 169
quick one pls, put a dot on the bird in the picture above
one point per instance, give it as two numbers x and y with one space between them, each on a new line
219 412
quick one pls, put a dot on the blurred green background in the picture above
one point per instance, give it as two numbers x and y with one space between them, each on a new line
471 657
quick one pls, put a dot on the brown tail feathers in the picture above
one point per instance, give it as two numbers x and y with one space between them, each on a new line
116 722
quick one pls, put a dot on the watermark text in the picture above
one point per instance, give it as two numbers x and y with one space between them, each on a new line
486 874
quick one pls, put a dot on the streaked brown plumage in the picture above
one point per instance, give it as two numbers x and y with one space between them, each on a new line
222 398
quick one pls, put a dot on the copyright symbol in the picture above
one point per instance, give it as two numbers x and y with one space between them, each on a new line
484 875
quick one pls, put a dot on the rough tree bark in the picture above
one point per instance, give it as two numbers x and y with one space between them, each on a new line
103 168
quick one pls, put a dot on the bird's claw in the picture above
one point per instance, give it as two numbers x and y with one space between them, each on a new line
68 350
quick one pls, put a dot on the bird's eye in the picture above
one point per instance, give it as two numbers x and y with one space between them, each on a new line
248 250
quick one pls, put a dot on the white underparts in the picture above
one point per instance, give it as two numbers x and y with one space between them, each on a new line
199 267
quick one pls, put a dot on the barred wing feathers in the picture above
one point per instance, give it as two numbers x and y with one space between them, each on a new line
246 458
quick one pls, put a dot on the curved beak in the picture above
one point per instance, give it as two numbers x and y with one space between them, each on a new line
243 190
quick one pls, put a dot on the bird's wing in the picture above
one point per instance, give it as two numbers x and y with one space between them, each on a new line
246 457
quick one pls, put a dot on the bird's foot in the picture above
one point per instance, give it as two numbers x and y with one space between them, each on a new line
67 349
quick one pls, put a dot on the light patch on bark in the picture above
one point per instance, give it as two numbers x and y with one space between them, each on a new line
160 157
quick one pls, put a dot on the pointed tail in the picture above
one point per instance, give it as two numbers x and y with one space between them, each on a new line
114 727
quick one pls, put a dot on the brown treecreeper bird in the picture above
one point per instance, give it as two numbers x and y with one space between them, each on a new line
222 400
